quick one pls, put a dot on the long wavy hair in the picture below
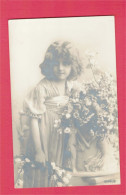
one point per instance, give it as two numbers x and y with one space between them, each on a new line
65 51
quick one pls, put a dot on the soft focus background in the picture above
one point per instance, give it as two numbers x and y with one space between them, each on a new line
29 39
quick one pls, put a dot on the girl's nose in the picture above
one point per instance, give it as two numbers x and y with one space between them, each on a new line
60 66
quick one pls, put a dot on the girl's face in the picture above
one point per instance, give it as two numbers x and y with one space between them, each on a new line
61 70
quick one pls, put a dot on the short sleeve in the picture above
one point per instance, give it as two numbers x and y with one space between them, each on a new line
33 105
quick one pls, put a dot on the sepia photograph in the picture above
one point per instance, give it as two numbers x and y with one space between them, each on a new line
64 102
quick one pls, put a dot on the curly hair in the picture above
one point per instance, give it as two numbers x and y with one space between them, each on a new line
65 51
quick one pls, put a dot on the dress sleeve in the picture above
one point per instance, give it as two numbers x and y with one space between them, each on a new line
33 105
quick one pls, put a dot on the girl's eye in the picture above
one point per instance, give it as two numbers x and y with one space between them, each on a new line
56 64
66 63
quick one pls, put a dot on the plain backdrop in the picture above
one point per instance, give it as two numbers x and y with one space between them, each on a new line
29 39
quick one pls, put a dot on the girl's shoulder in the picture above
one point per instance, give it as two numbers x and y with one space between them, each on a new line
34 101
42 85
38 90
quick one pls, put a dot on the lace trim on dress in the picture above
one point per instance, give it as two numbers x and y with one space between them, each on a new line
30 114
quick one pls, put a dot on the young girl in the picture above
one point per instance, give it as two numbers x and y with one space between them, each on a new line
43 107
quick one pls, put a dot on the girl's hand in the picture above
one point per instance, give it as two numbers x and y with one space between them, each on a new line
40 157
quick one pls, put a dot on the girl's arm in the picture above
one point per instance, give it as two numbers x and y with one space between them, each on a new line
39 156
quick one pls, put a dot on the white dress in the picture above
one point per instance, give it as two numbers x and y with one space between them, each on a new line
44 103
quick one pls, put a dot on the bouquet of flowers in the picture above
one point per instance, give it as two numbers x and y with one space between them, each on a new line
60 177
20 162
92 106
